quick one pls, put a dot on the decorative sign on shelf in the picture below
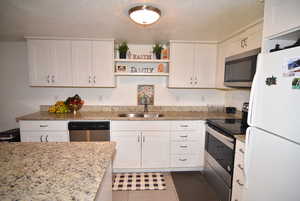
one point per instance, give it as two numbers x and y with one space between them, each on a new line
141 68
139 56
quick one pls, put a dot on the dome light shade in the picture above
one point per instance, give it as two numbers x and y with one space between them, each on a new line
144 15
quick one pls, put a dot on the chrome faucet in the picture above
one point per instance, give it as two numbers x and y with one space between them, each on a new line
146 107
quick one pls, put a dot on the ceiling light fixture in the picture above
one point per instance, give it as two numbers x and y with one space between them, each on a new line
144 15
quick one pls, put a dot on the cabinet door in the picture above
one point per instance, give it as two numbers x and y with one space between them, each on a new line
155 149
45 136
205 65
40 59
57 136
103 63
281 16
62 69
221 65
31 136
128 154
181 65
82 63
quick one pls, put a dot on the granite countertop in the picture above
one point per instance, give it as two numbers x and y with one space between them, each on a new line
89 115
53 170
241 138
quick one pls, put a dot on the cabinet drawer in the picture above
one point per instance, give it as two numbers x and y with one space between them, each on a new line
140 125
182 136
186 125
44 125
180 148
237 192
186 161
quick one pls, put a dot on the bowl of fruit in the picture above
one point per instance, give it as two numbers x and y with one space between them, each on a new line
74 103
59 108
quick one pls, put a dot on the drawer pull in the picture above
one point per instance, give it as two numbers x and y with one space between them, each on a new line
183 159
183 136
242 151
239 183
46 138
41 138
240 166
184 126
183 146
43 126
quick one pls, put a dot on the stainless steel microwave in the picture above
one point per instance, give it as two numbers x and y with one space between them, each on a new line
239 72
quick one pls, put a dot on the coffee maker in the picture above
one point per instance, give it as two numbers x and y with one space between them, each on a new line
245 114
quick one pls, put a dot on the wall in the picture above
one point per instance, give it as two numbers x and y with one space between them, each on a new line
17 98
236 98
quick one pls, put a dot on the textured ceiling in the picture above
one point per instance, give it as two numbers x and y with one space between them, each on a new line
181 19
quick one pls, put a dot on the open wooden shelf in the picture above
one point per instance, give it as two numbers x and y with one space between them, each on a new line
143 60
141 74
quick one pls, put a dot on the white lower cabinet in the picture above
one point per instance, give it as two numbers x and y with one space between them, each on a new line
155 149
141 144
44 131
238 172
161 145
128 149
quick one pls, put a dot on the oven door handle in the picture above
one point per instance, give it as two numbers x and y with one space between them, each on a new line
229 142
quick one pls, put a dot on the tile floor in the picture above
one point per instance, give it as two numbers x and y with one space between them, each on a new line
150 195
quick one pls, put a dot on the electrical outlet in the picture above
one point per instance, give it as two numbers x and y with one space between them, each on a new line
56 98
177 98
100 98
202 98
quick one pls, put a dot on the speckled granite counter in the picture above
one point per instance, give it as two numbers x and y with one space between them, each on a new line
53 171
241 138
114 116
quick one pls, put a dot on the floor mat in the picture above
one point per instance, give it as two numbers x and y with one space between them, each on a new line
192 186
138 181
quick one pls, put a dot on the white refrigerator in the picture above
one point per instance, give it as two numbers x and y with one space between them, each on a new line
272 157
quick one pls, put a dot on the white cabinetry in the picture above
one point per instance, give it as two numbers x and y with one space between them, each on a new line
62 62
238 172
44 131
141 144
93 63
187 144
281 17
49 62
192 65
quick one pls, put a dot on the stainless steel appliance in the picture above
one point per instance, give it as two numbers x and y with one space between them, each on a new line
85 131
219 154
240 70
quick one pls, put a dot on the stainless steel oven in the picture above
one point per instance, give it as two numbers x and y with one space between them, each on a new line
219 161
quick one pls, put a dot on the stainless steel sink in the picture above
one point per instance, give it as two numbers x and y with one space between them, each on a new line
141 115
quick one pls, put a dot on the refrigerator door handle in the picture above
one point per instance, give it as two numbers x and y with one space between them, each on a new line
253 91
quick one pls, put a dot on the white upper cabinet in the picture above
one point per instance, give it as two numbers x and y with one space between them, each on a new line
181 72
205 65
79 63
49 62
281 16
192 65
82 63
103 63
40 60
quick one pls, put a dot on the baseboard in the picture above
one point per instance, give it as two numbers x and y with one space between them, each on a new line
118 170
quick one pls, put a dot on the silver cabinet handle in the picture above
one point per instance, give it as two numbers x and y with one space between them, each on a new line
242 151
183 159
138 138
43 126
46 138
52 78
239 183
90 79
183 136
41 138
183 146
196 81
144 138
48 78
184 126
240 166
94 79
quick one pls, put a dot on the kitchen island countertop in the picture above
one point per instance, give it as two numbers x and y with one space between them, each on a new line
53 171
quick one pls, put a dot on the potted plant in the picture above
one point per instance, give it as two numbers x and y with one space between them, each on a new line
123 48
157 48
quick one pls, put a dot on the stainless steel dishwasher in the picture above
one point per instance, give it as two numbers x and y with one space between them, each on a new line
89 131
